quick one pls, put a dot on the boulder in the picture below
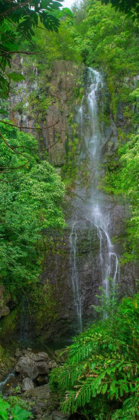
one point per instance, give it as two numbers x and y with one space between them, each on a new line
42 356
29 355
41 393
58 415
18 353
31 365
45 417
52 364
27 384
27 368
42 367
4 310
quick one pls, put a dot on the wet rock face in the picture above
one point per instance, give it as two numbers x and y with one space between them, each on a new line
58 269
27 384
58 128
81 257
87 267
57 123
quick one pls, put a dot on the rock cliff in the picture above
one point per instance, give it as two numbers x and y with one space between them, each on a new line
49 109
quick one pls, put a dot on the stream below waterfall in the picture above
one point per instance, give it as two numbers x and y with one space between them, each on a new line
90 204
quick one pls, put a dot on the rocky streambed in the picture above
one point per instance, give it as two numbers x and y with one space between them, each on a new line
29 379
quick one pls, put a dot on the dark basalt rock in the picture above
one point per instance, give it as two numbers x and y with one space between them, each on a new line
27 384
32 365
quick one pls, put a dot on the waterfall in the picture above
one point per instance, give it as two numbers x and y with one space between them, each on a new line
3 383
24 320
91 204
74 275
109 259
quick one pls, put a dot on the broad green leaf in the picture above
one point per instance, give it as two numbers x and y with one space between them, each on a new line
16 77
4 406
104 388
19 413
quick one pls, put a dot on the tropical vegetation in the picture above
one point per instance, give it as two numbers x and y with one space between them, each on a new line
30 201
108 40
14 408
100 377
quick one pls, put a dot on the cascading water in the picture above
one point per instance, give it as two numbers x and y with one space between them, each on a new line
3 383
94 142
24 320
91 204
74 275
108 259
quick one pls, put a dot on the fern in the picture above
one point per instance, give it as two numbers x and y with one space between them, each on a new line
102 362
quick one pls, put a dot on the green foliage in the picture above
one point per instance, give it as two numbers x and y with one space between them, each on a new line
125 180
3 355
107 36
59 46
27 17
130 7
17 23
100 376
107 39
12 410
30 200
39 104
43 301
16 77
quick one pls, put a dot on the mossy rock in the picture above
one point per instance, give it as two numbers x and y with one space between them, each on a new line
9 325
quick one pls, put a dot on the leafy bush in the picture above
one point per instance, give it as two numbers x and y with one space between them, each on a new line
108 40
13 411
125 181
100 378
30 200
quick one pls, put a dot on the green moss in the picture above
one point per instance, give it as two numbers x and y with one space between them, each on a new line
19 107
43 305
9 323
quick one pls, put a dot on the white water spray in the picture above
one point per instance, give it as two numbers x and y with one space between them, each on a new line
95 208
3 383
108 256
74 275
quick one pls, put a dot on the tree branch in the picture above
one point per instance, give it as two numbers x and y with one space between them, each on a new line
11 147
22 33
19 52
14 8
29 128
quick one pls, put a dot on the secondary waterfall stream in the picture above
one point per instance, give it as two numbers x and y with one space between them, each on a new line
91 205
74 275
3 383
